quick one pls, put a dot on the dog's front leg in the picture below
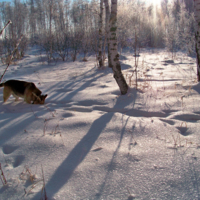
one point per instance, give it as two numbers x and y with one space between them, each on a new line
27 99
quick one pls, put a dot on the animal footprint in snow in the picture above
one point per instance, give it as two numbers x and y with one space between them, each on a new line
170 122
18 160
15 161
183 129
187 117
97 149
8 149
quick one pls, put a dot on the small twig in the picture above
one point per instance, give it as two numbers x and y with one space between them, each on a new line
43 188
45 126
62 139
3 178
53 113
5 159
26 192
55 130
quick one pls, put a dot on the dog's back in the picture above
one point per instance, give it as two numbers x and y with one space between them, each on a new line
19 87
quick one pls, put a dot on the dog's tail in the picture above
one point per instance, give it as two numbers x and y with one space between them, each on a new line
1 85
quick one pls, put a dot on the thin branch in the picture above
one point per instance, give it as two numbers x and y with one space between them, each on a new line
3 178
9 22
43 188
11 57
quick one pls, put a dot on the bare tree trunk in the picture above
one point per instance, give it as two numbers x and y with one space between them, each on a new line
108 29
51 2
197 34
100 58
114 55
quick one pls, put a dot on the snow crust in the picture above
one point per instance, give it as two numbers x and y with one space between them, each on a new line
93 143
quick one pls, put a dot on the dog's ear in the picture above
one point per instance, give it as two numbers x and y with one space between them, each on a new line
45 96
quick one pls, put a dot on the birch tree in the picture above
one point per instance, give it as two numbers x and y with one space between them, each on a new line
100 58
113 53
107 9
197 34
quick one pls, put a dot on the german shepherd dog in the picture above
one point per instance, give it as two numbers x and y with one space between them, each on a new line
26 90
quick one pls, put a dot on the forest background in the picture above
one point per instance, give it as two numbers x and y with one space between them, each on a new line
145 143
64 28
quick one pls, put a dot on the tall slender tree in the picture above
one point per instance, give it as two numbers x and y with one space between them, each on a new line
107 28
113 47
197 34
100 57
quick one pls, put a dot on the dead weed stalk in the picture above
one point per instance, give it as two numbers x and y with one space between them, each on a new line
3 178
43 192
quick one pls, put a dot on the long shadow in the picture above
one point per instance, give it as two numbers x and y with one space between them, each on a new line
14 117
76 156
197 87
82 87
108 174
64 172
16 125
86 79
159 80
195 178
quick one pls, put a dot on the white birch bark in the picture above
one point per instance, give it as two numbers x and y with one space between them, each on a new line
197 34
107 8
114 55
100 58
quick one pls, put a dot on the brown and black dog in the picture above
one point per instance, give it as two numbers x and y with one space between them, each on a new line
26 90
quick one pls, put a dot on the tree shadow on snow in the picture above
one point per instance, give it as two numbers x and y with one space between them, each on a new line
197 87
64 172
70 89
108 175
13 122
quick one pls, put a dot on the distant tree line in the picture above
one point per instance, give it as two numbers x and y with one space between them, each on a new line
65 28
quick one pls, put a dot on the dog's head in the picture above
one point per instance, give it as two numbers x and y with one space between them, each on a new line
39 99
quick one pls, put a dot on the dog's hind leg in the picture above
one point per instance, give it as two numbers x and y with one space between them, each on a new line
6 93
16 97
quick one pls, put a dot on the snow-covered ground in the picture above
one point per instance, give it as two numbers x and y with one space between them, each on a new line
93 143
